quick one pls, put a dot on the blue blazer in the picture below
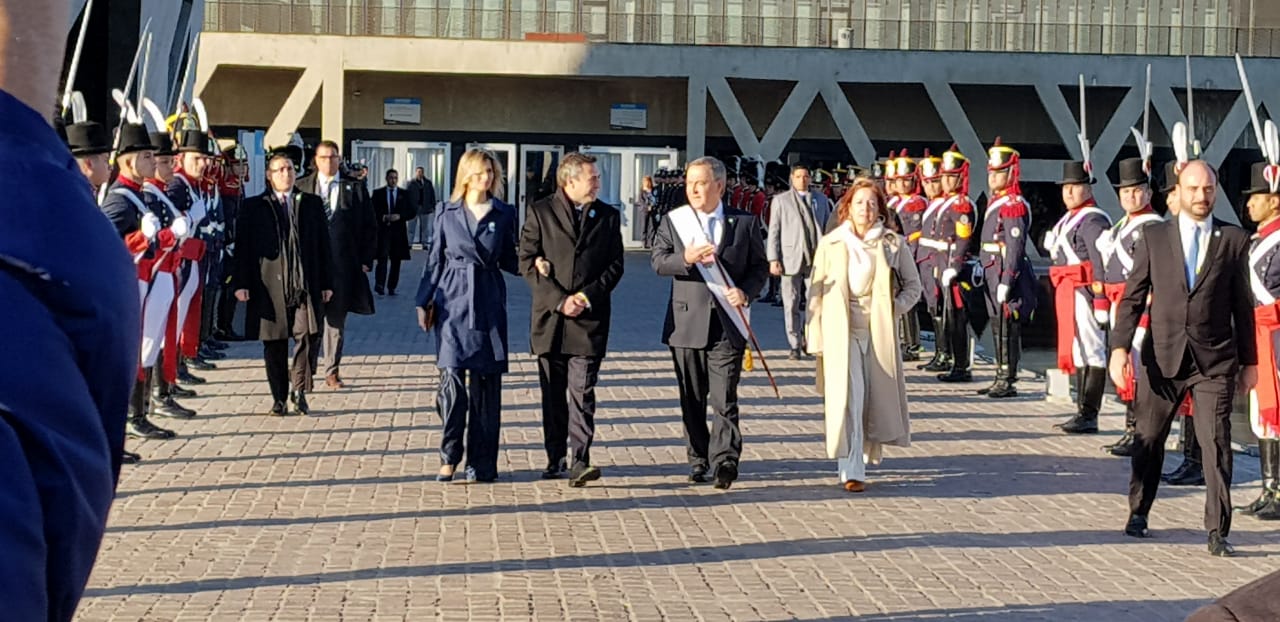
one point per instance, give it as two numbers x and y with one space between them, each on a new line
463 279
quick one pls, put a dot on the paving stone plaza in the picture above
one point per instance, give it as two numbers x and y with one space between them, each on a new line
989 515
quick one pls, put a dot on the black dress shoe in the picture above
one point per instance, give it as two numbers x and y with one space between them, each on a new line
141 427
391 292
177 391
554 470
1193 476
300 406
1219 547
1005 390
583 473
473 476
726 473
227 335
956 375
1078 425
128 457
277 409
379 291
938 365
200 364
170 408
910 356
795 354
698 473
187 377
1178 472
1137 527
1125 447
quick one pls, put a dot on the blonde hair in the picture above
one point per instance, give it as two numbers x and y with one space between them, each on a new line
472 163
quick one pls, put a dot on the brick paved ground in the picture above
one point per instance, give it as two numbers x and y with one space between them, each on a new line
987 516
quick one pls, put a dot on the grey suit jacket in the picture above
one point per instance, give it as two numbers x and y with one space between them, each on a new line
788 220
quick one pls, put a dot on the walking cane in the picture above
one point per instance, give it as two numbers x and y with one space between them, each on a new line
751 335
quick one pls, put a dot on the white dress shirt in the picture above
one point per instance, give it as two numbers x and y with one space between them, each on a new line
712 224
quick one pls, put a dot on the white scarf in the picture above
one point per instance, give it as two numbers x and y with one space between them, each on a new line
862 266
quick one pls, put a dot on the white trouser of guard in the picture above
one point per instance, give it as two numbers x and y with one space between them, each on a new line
155 317
188 293
1089 348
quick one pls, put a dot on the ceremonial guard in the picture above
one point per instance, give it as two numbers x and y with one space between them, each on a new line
1007 272
151 240
231 193
1080 305
959 278
1264 280
928 250
1116 247
89 144
165 388
186 194
910 211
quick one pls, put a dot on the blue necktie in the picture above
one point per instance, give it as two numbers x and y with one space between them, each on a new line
1192 256
711 229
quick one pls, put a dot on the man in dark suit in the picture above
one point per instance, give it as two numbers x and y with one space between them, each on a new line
422 196
353 242
571 254
283 277
391 210
699 245
1195 269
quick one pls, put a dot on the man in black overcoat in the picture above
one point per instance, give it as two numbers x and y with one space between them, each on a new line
353 241
391 209
283 275
571 254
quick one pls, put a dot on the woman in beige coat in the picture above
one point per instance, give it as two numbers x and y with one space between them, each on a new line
864 279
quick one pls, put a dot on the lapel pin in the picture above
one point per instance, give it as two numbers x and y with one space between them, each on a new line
591 214
493 226
731 220
1217 233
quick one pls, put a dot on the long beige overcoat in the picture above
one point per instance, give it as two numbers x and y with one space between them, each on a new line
895 290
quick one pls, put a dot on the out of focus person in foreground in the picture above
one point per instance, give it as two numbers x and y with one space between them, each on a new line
69 331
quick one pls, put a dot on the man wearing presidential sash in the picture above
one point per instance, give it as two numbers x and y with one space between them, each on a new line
717 262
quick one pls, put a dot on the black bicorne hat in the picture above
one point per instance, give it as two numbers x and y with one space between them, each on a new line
1132 173
134 137
87 138
1073 173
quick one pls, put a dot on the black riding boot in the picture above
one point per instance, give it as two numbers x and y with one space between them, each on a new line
1091 382
1125 446
1010 335
1190 472
1267 505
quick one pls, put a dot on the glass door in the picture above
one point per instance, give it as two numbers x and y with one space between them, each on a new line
435 159
405 156
538 164
506 154
621 170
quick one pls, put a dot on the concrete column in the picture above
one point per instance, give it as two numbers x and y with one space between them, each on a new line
696 119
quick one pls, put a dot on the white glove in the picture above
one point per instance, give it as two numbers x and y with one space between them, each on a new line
1101 316
948 275
150 226
1002 293
181 227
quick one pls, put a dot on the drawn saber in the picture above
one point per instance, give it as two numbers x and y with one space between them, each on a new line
1253 108
75 57
1191 114
1084 132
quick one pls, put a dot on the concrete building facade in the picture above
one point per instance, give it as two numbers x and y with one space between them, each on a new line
415 83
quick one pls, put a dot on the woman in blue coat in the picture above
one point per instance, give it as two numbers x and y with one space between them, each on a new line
463 297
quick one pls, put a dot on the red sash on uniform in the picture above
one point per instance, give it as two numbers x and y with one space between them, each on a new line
1065 280
1266 321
